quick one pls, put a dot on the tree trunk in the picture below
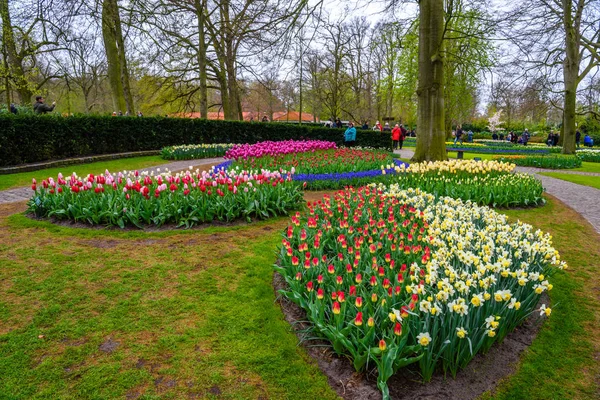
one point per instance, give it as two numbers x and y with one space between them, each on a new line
200 9
114 45
15 63
430 129
571 77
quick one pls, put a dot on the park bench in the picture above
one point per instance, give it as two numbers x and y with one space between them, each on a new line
460 151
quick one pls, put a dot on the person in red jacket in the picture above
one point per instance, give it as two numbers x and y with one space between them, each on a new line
396 134
378 127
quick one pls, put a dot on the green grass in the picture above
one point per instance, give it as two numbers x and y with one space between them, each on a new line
194 314
587 166
560 364
24 178
586 180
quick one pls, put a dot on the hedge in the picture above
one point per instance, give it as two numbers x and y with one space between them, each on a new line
32 138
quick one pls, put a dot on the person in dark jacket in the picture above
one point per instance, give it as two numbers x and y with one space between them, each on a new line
39 107
577 138
13 109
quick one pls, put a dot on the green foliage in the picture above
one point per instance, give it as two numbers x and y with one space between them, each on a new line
589 155
27 139
554 161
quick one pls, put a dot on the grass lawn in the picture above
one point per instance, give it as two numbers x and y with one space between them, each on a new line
161 315
587 180
24 178
561 363
587 166
191 314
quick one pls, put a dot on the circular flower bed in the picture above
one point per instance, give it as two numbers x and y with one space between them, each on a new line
184 199
392 278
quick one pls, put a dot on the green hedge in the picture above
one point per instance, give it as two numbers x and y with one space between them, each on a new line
31 138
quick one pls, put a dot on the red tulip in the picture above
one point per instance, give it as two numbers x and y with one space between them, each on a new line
336 307
358 302
398 329
358 321
310 286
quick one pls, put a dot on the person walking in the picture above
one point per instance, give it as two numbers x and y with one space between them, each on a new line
577 138
459 135
39 107
350 135
378 127
396 133
386 127
403 135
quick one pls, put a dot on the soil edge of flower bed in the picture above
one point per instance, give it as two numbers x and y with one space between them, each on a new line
482 374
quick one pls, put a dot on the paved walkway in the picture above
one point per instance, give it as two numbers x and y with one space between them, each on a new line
24 193
583 199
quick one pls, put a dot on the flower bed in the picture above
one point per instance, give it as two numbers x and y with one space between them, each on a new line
392 278
184 199
322 169
483 182
588 155
320 161
550 161
268 148
194 151
495 147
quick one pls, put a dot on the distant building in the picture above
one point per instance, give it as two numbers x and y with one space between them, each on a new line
280 116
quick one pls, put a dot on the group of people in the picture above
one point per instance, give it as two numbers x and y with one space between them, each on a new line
398 133
587 140
515 138
553 138
459 135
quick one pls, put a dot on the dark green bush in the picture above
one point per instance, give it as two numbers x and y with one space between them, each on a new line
31 138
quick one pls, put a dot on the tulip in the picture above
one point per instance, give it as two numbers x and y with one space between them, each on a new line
320 293
358 321
398 329
358 302
336 308
382 345
310 286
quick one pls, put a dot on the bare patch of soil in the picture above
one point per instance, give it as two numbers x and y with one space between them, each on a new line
109 346
482 374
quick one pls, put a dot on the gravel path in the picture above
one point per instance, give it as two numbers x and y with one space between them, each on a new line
24 193
583 199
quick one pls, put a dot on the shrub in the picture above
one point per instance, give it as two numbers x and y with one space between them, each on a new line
553 161
34 138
